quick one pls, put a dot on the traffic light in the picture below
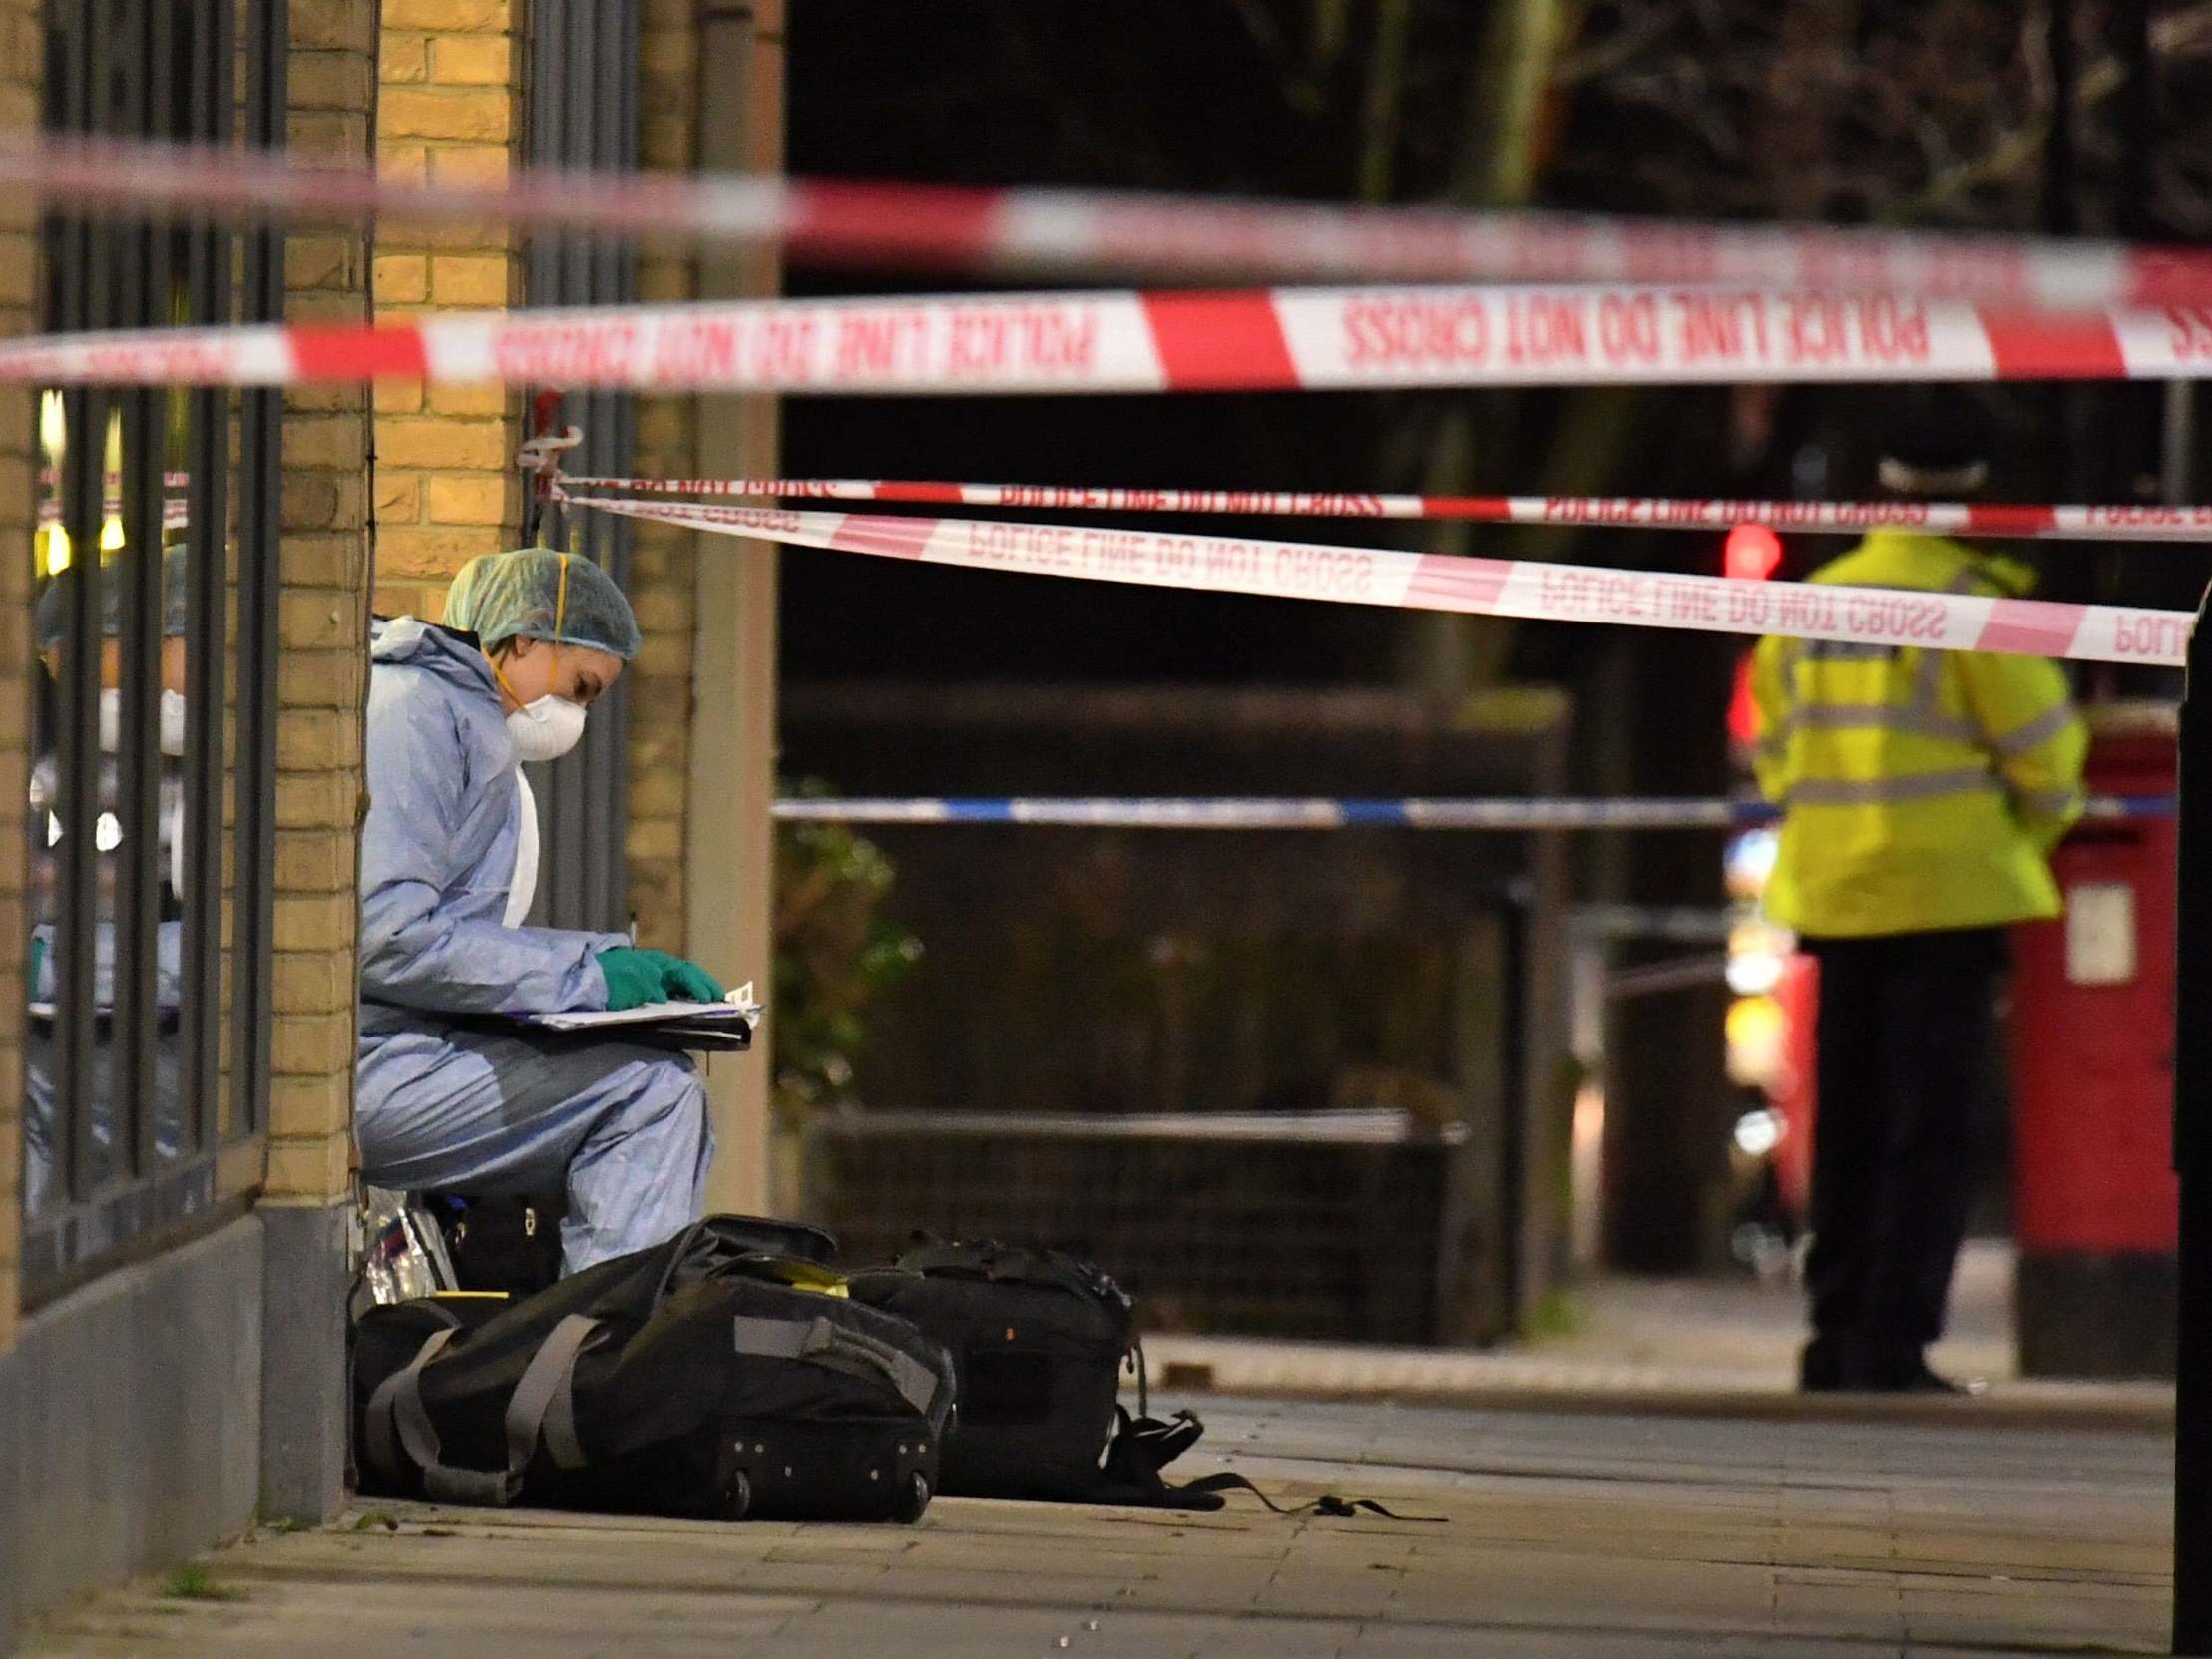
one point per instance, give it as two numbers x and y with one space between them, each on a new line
1751 553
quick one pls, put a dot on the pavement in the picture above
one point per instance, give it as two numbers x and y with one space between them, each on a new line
1640 1483
1717 1347
1618 1536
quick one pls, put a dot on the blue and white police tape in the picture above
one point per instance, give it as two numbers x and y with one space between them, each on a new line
1326 812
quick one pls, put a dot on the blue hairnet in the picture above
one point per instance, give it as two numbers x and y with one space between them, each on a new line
461 596
175 600
518 596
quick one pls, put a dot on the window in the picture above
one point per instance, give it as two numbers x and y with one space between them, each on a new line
154 711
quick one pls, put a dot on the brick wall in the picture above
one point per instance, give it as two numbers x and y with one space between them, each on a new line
322 670
661 571
448 109
19 69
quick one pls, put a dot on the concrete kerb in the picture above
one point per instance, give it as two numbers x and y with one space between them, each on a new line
15 1517
1264 1370
141 1418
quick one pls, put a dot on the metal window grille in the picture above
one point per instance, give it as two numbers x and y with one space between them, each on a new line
581 96
127 1063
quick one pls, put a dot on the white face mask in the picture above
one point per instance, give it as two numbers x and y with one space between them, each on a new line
172 720
546 730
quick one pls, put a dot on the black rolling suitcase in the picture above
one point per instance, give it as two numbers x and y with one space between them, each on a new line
694 1379
1038 1339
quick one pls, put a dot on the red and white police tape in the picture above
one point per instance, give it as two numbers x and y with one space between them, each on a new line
1482 586
176 512
1131 342
970 229
2075 523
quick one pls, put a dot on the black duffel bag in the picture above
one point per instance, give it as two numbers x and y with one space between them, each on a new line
694 1379
512 1241
1038 1339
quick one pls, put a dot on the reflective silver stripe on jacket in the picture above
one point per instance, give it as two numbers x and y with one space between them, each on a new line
1914 718
1914 786
2051 803
1920 714
2038 732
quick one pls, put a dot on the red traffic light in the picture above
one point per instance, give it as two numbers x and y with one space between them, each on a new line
1751 553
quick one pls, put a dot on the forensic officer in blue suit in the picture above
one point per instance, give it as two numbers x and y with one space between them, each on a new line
448 867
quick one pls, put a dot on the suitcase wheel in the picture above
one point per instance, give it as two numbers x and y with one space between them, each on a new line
912 1499
737 1496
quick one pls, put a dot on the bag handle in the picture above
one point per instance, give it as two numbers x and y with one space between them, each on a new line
827 1343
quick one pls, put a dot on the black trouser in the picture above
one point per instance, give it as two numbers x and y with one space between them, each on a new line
1904 1029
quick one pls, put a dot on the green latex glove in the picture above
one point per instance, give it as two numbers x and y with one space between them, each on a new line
635 977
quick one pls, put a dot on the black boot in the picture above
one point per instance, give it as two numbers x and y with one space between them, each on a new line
1824 1365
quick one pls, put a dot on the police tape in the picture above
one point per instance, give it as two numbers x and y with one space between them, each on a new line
1325 813
1154 341
176 512
993 228
1478 587
2120 521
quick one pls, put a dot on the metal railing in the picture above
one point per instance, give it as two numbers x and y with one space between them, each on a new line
582 104
153 852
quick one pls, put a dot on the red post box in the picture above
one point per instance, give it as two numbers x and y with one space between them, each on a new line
2092 1045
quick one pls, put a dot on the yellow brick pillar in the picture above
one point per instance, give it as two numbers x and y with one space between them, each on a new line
448 111
19 74
730 841
322 679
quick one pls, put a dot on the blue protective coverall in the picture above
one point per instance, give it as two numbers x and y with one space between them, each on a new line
447 1106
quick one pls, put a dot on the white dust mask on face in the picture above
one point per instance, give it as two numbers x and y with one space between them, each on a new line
172 720
546 730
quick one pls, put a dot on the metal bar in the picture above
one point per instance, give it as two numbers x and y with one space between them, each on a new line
88 301
260 429
576 96
139 875
209 300
2192 1143
75 922
59 1245
142 464
609 110
579 91
583 112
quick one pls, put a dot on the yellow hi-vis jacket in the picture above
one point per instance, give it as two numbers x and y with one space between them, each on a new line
1920 789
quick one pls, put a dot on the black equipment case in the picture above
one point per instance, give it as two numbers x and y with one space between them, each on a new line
1038 1339
696 1377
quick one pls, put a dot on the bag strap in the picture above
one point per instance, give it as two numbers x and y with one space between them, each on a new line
781 1338
382 1434
399 1426
1145 1446
1135 1360
1327 1505
544 1403
396 1412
